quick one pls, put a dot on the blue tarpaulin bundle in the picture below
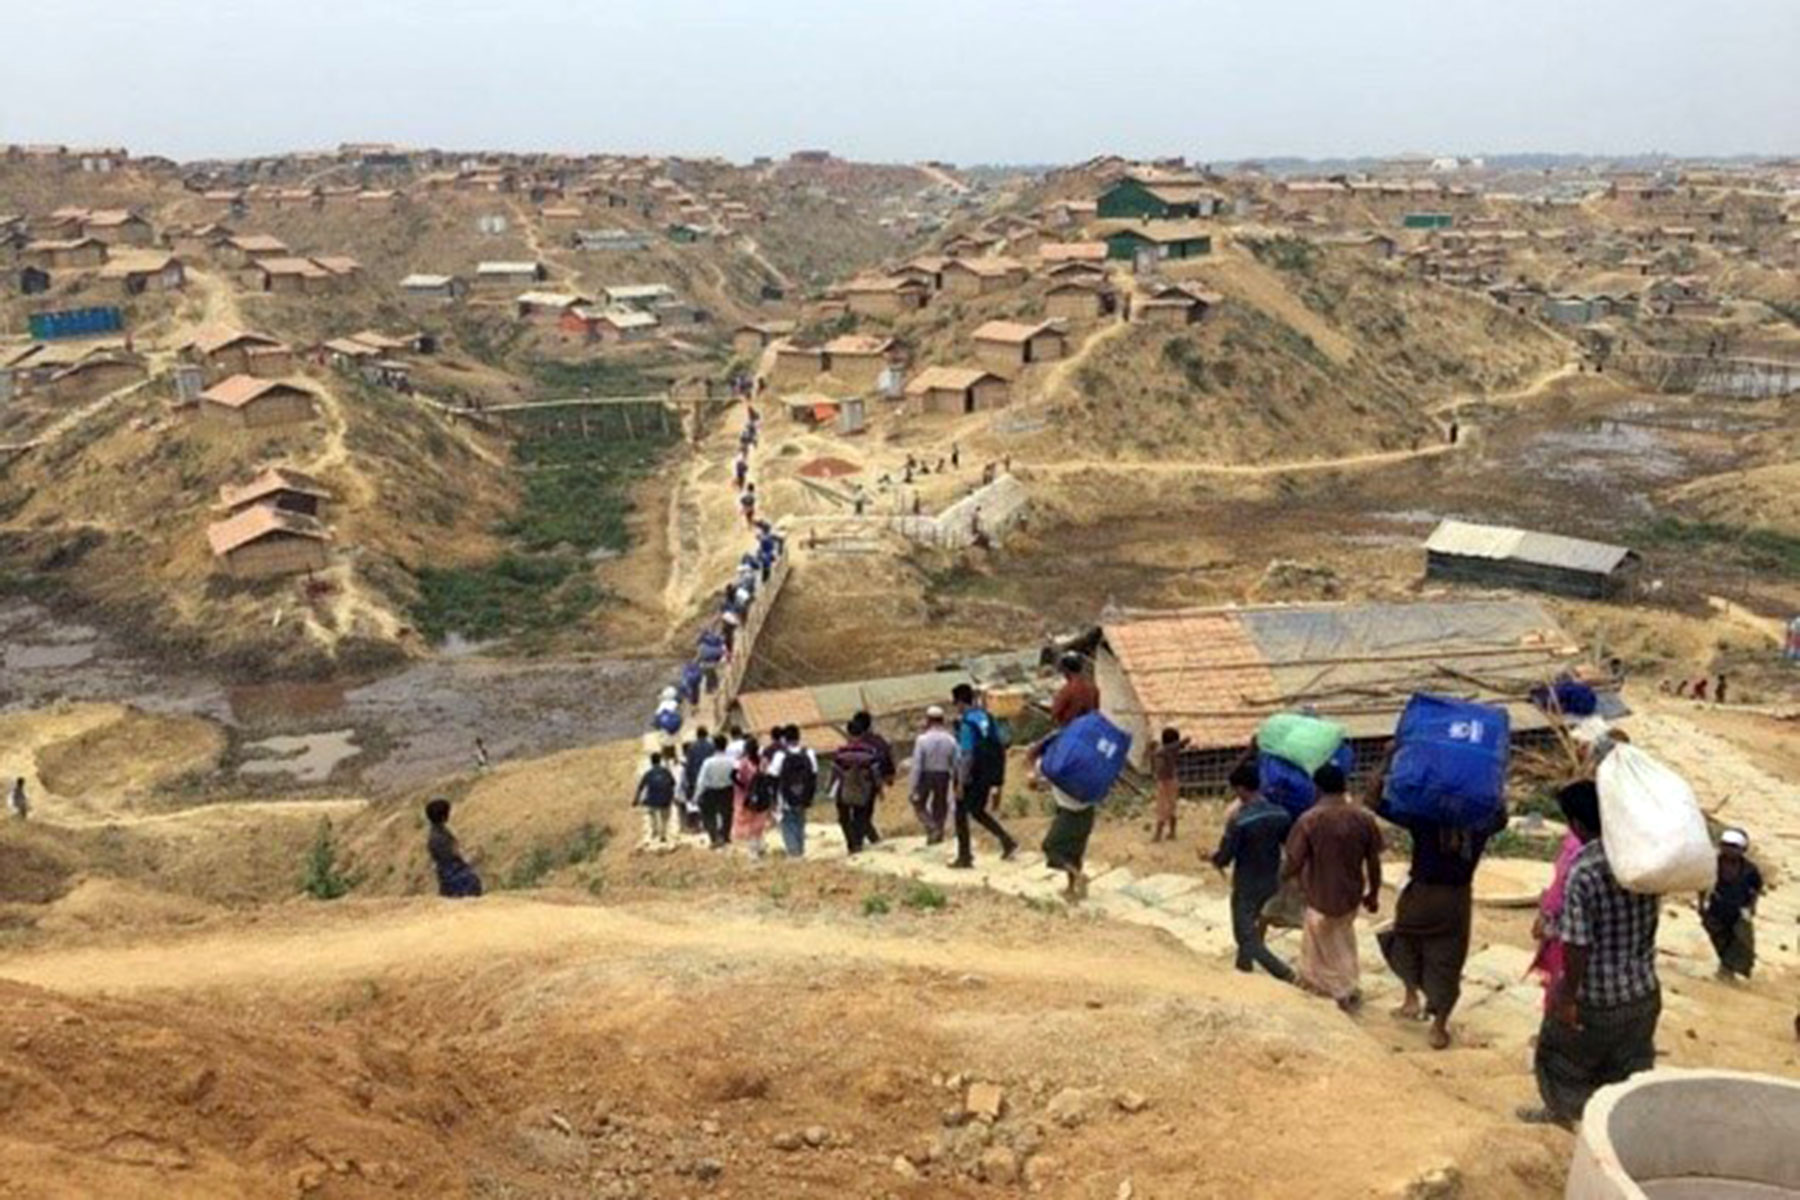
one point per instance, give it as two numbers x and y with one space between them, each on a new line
1085 758
1449 763
1291 787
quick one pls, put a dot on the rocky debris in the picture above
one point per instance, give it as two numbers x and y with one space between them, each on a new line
816 1136
709 1128
561 1124
1071 1107
903 1167
1131 1102
787 1141
998 1164
1126 1191
1439 1183
984 1101
1287 579
708 1169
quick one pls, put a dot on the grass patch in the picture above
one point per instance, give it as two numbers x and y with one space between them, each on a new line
517 595
1760 549
1287 254
925 897
530 870
577 500
597 377
1512 844
875 905
587 844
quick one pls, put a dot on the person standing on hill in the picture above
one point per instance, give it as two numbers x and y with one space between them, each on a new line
856 783
1429 941
1335 853
1165 768
693 755
796 771
656 796
716 781
752 798
981 772
16 803
1078 694
1600 1026
1254 835
1728 911
933 767
456 878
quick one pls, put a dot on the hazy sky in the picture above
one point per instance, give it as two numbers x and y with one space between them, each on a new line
964 80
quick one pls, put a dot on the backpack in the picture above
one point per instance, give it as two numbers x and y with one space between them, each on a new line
992 737
760 797
799 780
857 766
1085 758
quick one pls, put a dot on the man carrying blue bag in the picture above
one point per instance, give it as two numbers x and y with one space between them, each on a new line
1080 762
1444 782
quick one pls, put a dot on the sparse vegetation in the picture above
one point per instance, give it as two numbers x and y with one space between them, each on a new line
1760 549
324 879
875 905
925 897
530 870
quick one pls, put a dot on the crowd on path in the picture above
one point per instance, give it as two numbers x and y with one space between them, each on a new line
1315 867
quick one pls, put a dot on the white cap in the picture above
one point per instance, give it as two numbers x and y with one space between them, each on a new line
1736 838
934 713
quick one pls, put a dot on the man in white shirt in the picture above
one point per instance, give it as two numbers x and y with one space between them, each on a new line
933 767
715 785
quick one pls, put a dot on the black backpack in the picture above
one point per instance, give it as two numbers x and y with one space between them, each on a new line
799 780
761 796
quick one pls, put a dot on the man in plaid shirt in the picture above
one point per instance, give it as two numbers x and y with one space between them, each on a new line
1600 1026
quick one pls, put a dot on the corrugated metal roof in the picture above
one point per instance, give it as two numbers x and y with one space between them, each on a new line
1468 540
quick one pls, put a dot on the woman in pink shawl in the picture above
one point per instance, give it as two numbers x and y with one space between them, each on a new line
747 824
1548 965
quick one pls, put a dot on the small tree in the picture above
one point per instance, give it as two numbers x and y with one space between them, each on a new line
323 880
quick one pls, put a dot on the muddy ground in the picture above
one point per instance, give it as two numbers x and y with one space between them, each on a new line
391 732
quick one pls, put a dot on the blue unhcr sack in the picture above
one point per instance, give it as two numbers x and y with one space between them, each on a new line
1284 784
1449 762
1084 760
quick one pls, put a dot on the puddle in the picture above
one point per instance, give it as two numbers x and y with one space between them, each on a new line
307 758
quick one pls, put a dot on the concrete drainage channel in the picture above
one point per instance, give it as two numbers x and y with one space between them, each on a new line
1690 1135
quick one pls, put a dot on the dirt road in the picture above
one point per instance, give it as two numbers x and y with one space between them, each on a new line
1374 458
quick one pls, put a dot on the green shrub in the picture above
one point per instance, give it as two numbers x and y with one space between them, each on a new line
530 870
925 897
323 880
875 905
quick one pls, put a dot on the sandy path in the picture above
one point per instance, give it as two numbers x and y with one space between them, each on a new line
1060 371
1373 458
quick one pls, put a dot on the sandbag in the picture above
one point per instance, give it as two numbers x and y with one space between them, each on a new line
1655 834
1085 758
1449 763
1284 784
1307 742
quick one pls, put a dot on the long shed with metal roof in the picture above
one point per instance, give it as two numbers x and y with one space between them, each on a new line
1501 556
